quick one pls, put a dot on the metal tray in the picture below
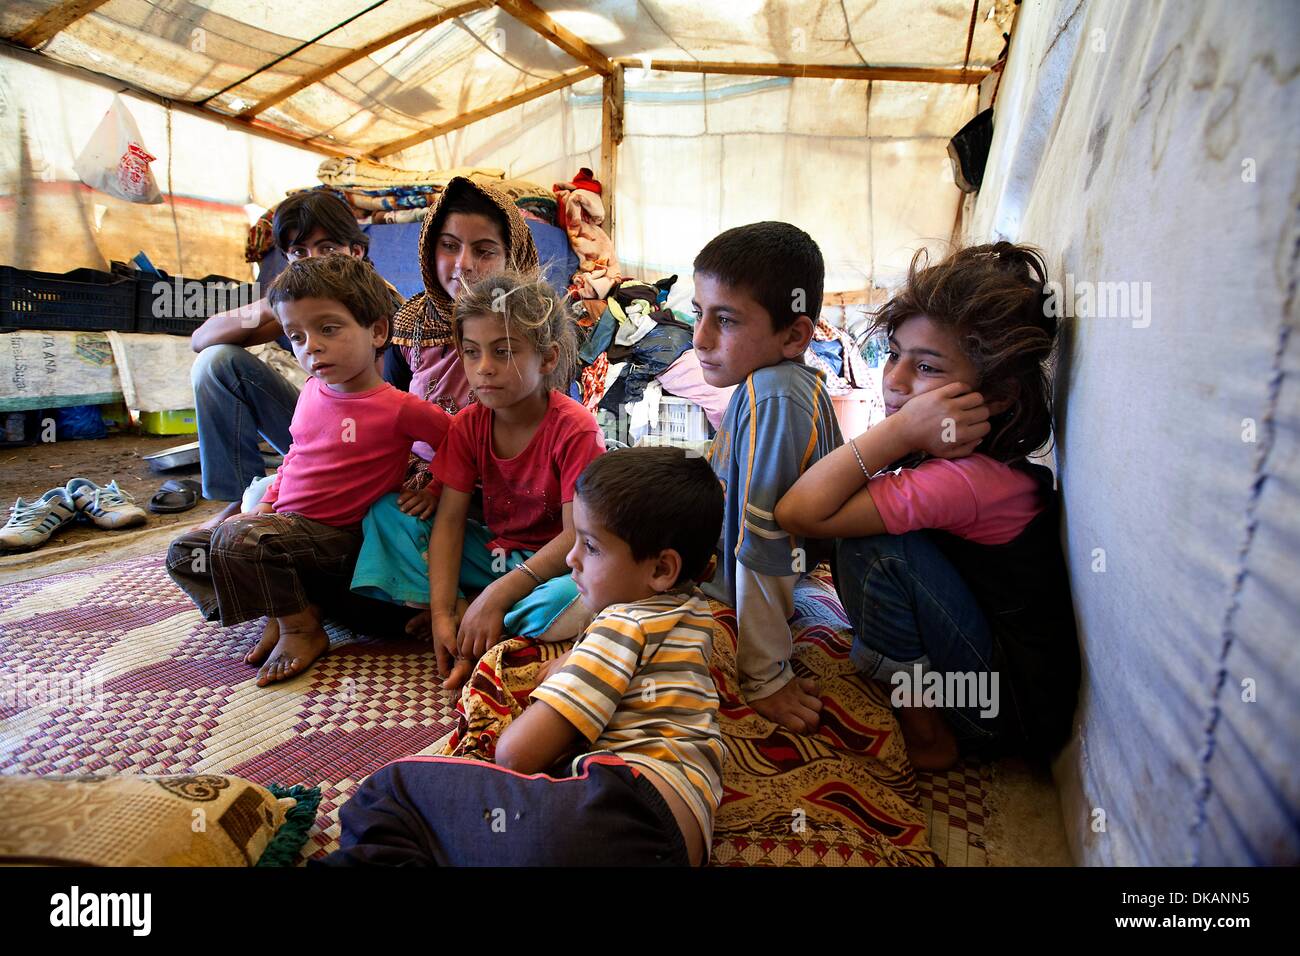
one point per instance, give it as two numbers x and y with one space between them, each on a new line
177 456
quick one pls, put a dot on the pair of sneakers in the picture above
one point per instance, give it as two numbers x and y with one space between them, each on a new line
33 523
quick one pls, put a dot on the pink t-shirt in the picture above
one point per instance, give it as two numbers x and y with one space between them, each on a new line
522 496
437 376
350 449
976 497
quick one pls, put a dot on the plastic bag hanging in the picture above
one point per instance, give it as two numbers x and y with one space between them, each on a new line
115 160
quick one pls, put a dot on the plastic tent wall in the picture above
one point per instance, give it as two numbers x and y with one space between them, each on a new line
52 222
860 164
1155 144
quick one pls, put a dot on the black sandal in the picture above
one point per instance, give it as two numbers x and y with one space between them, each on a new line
176 495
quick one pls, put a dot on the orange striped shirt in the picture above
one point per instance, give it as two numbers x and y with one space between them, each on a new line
638 684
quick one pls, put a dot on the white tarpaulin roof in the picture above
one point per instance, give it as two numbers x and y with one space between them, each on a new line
230 54
858 162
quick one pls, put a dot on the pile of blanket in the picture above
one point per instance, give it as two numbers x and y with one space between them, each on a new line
378 193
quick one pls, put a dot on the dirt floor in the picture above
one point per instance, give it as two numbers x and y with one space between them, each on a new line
29 472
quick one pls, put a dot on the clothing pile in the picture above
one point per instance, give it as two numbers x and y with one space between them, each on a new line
634 350
833 352
377 193
581 213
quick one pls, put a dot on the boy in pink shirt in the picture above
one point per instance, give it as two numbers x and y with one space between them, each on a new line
352 433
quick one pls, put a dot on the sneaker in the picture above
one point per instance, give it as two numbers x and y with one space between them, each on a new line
109 507
31 524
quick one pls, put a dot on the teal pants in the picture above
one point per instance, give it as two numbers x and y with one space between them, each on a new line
393 566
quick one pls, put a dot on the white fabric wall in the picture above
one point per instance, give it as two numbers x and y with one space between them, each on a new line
54 223
862 167
1157 143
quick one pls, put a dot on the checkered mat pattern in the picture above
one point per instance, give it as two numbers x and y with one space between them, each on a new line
113 670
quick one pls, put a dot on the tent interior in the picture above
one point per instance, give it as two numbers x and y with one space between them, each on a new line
1143 148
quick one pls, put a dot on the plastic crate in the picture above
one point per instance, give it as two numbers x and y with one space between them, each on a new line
175 305
83 300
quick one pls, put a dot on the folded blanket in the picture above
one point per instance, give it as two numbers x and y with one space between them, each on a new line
353 173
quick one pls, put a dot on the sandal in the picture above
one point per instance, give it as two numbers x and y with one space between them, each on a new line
175 495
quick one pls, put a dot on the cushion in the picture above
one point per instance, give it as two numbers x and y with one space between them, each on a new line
136 820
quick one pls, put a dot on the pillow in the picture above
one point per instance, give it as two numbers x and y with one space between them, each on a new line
136 820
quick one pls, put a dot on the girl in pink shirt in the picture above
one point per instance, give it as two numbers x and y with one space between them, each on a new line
950 564
352 433
523 444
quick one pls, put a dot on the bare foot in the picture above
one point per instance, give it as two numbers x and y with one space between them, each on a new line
228 511
270 637
929 740
460 671
420 626
302 640
795 706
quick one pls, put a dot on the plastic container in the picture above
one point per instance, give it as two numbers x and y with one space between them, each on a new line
174 305
857 411
83 300
181 422
681 422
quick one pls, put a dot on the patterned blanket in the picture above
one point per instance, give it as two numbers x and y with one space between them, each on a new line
112 670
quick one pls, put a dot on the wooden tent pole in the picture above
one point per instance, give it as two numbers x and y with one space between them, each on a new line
473 116
611 134
896 74
540 22
43 28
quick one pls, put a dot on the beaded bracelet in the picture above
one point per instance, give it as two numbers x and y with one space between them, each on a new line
858 455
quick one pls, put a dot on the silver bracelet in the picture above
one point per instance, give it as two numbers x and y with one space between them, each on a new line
528 571
858 455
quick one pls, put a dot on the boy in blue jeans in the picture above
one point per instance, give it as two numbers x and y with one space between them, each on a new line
757 288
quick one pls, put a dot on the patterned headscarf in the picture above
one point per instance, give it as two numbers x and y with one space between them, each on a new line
425 319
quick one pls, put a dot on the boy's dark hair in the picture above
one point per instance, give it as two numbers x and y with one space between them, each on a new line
531 310
778 264
303 213
993 300
656 498
345 279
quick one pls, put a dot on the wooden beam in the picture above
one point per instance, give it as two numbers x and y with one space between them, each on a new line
44 27
259 128
315 76
970 34
539 21
611 134
896 74
473 116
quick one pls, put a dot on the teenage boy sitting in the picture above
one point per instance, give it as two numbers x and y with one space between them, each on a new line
633 700
756 288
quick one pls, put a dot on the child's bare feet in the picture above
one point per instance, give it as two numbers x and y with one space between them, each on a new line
301 640
929 740
270 637
419 627
795 706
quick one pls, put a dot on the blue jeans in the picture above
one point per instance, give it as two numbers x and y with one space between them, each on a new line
238 399
910 607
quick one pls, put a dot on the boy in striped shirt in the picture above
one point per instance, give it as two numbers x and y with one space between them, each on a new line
631 710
